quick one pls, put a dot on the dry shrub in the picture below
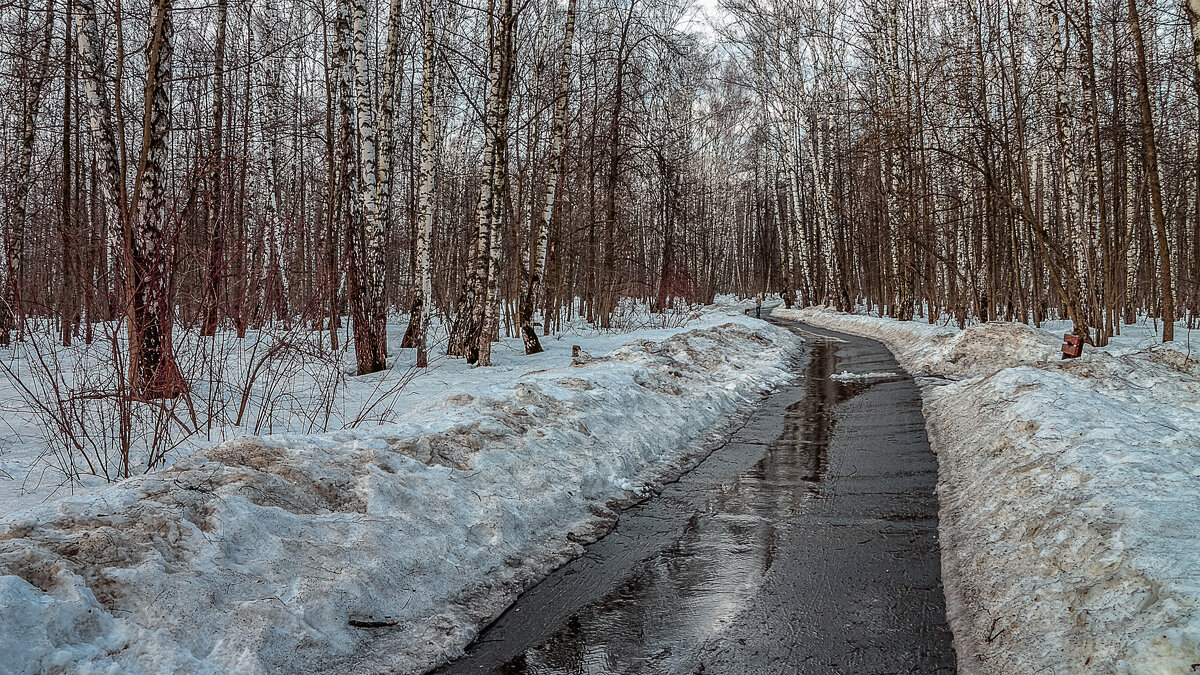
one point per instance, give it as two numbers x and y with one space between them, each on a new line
277 379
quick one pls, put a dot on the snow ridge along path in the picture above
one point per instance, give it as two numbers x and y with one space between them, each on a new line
1069 494
376 550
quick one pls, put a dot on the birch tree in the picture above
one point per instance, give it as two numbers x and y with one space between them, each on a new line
536 262
152 367
365 240
1150 150
213 197
424 301
151 355
10 313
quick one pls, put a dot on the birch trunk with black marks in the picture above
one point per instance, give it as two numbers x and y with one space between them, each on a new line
487 309
465 329
364 240
424 301
1150 152
152 360
11 312
471 334
1099 283
1074 276
110 180
415 333
538 240
213 197
273 284
348 203
383 170
387 123
152 369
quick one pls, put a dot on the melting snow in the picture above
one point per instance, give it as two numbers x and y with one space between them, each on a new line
847 376
1070 497
377 549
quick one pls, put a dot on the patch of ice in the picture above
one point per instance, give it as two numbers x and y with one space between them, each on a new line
847 376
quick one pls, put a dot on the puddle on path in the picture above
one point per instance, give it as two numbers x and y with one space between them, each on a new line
681 568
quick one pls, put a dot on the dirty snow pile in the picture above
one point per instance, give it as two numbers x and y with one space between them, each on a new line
847 376
378 549
1069 490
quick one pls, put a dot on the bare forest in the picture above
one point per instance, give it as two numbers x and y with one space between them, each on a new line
178 174
706 336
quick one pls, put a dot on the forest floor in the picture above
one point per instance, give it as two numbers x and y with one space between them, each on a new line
1068 491
378 548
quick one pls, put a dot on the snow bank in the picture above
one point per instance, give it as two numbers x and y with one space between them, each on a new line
933 349
281 379
372 550
1070 496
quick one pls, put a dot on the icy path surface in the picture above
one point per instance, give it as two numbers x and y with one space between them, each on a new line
805 544
381 549
1070 493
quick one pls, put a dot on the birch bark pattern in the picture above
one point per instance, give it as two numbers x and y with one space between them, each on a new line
1100 283
1074 277
498 207
151 355
387 119
364 234
270 74
464 334
152 369
472 332
349 202
537 251
421 312
213 197
11 313
100 116
1150 151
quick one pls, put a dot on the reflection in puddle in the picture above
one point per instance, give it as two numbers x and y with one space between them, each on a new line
716 563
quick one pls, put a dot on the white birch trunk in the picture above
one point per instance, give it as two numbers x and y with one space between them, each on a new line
537 252
425 204
1052 35
270 74
499 181
100 121
387 114
373 232
10 318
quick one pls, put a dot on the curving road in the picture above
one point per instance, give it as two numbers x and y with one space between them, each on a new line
806 544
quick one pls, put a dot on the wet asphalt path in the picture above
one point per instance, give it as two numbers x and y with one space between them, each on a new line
806 544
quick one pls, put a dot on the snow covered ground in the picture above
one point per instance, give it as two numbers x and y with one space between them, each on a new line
1069 490
382 547
278 380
